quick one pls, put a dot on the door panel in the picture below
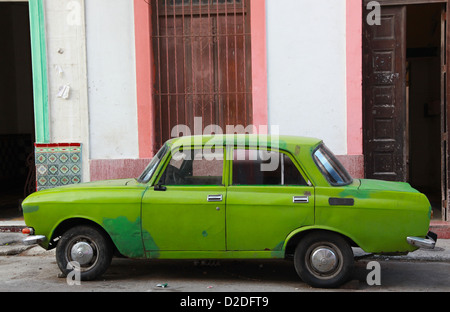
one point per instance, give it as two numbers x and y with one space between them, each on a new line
182 219
384 70
269 215
268 200
186 210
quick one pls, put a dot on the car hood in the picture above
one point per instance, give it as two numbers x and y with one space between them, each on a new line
379 185
105 183
89 186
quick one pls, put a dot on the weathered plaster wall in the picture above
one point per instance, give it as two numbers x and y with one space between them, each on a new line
306 48
66 59
112 79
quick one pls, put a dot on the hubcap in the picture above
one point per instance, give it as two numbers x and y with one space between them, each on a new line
324 260
82 252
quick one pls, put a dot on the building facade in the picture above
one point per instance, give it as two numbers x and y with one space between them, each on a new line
111 80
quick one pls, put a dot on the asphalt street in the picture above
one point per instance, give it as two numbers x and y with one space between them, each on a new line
34 269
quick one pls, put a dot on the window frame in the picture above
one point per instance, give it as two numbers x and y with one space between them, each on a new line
299 167
164 149
339 165
173 151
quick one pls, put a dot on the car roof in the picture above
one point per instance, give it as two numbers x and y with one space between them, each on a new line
281 141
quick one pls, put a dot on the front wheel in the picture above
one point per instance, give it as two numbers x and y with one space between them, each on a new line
323 260
85 248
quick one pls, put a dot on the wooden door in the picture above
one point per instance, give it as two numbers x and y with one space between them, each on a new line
384 93
445 115
202 57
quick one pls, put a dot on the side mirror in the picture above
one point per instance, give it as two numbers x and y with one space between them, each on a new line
160 188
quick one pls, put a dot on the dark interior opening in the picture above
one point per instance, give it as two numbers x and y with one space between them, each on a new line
423 85
16 109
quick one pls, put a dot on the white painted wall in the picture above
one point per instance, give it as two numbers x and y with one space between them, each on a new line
112 79
306 50
66 61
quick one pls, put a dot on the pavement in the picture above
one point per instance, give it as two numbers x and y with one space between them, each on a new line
11 244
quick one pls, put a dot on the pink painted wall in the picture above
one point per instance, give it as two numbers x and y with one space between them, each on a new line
144 77
259 62
144 69
108 169
354 160
354 78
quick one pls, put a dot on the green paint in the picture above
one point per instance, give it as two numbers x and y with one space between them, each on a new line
39 65
126 235
250 222
150 244
278 250
30 209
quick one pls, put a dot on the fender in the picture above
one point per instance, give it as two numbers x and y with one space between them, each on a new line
311 228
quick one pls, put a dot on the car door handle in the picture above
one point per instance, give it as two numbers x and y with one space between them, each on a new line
300 199
215 198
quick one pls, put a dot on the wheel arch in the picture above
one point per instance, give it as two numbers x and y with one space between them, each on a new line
295 237
70 223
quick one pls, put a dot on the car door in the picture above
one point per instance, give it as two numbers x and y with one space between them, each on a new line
268 198
186 210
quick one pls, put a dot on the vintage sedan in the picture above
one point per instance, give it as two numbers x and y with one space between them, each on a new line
232 197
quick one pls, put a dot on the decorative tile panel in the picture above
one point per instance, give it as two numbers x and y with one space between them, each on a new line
57 164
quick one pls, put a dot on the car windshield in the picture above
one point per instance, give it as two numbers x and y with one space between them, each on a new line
331 167
148 172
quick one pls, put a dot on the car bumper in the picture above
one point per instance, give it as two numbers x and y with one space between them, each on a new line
34 239
428 242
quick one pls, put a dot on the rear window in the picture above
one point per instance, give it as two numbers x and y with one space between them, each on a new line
331 167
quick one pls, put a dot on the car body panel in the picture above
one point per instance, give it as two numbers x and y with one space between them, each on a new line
113 205
250 221
181 219
269 215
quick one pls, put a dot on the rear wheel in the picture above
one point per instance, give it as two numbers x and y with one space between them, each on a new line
84 248
323 260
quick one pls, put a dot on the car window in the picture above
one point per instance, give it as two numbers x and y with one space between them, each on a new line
194 167
150 169
331 167
253 167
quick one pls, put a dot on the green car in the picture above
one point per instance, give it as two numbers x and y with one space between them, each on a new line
232 197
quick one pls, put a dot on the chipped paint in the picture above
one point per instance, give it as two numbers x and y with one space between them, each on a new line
126 235
29 209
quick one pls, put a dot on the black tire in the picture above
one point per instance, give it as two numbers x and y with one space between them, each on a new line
324 260
89 247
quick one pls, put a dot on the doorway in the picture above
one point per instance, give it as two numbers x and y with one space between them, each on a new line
423 89
404 87
16 109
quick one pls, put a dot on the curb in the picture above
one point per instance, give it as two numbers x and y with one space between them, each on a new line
11 229
441 228
12 226
14 249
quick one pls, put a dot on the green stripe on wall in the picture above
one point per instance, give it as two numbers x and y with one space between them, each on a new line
39 61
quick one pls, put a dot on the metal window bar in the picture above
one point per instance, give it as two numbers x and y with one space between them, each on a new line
202 63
